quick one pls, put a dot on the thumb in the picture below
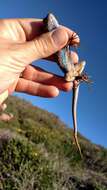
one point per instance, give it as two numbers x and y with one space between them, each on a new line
43 46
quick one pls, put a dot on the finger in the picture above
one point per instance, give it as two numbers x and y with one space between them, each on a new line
3 96
41 47
34 27
36 89
6 117
3 107
73 37
39 75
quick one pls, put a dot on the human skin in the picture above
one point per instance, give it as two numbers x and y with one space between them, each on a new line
23 41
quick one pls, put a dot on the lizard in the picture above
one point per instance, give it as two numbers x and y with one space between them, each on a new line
73 73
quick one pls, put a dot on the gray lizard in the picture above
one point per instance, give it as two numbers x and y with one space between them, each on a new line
71 72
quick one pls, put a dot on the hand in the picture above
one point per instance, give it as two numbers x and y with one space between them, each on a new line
21 42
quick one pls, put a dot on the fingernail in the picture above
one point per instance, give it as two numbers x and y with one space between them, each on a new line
60 37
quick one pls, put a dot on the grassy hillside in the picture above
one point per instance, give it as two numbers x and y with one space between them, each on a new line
37 153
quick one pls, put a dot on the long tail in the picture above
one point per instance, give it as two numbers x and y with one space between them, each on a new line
74 116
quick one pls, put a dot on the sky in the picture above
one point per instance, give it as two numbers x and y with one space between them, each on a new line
89 20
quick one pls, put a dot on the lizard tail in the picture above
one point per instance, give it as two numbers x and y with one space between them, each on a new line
74 115
77 144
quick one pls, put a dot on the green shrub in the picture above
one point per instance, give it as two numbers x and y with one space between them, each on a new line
37 153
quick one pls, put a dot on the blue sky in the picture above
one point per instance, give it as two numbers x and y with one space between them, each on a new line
89 19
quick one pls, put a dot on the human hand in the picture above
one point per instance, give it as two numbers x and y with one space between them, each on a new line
23 41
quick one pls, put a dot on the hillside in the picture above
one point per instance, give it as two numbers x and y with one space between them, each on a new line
37 153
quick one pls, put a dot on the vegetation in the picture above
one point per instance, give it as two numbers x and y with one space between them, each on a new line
37 153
